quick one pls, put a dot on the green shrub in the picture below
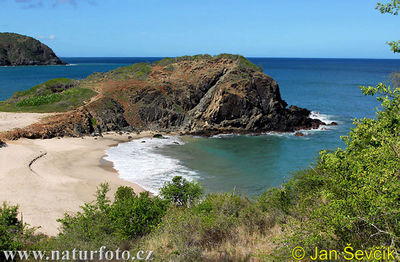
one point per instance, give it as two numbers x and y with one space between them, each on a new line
352 194
109 223
219 214
14 234
181 192
134 216
93 121
11 228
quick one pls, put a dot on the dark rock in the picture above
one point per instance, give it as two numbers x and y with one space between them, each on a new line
2 144
18 50
333 124
158 136
299 134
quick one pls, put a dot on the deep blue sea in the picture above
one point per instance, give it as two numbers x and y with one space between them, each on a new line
249 164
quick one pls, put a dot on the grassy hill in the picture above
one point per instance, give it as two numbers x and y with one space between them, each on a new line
56 95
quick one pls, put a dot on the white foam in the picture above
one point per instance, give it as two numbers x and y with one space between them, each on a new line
327 119
139 162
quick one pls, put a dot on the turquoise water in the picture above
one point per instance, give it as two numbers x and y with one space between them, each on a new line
252 164
248 163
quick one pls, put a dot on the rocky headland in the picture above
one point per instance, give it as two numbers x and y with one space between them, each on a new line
17 50
200 95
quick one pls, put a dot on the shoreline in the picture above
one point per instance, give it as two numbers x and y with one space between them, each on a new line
48 178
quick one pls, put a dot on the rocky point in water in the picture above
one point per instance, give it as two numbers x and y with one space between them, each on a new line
201 95
16 50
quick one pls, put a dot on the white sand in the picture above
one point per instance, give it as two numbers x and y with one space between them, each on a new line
9 121
58 182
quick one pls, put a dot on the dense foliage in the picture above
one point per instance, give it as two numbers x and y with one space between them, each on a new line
108 223
14 234
181 192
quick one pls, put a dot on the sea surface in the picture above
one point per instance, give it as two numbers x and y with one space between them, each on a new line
248 164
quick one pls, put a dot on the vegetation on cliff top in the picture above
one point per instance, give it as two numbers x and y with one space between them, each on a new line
62 94
241 60
56 95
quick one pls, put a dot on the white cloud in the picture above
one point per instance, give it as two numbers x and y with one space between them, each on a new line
50 37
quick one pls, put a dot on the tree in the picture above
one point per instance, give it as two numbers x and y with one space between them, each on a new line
105 222
181 192
392 8
133 216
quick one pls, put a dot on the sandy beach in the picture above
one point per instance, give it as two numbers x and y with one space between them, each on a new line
9 121
47 178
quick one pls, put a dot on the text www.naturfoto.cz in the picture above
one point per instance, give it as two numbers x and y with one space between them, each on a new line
102 255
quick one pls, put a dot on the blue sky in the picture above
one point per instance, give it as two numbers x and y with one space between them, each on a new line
254 28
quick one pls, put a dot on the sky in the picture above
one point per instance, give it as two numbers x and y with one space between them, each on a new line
253 28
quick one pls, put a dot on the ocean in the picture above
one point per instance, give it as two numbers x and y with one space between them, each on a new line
246 164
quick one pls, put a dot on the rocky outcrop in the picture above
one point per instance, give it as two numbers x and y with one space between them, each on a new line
18 50
91 120
200 95
2 144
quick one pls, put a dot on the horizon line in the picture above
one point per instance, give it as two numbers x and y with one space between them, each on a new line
269 57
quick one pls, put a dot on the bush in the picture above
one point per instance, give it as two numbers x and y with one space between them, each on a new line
109 223
351 195
134 216
11 228
14 234
181 192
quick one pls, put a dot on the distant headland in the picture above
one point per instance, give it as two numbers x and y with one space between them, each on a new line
20 50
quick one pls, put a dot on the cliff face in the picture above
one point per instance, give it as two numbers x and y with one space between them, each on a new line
200 95
17 50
